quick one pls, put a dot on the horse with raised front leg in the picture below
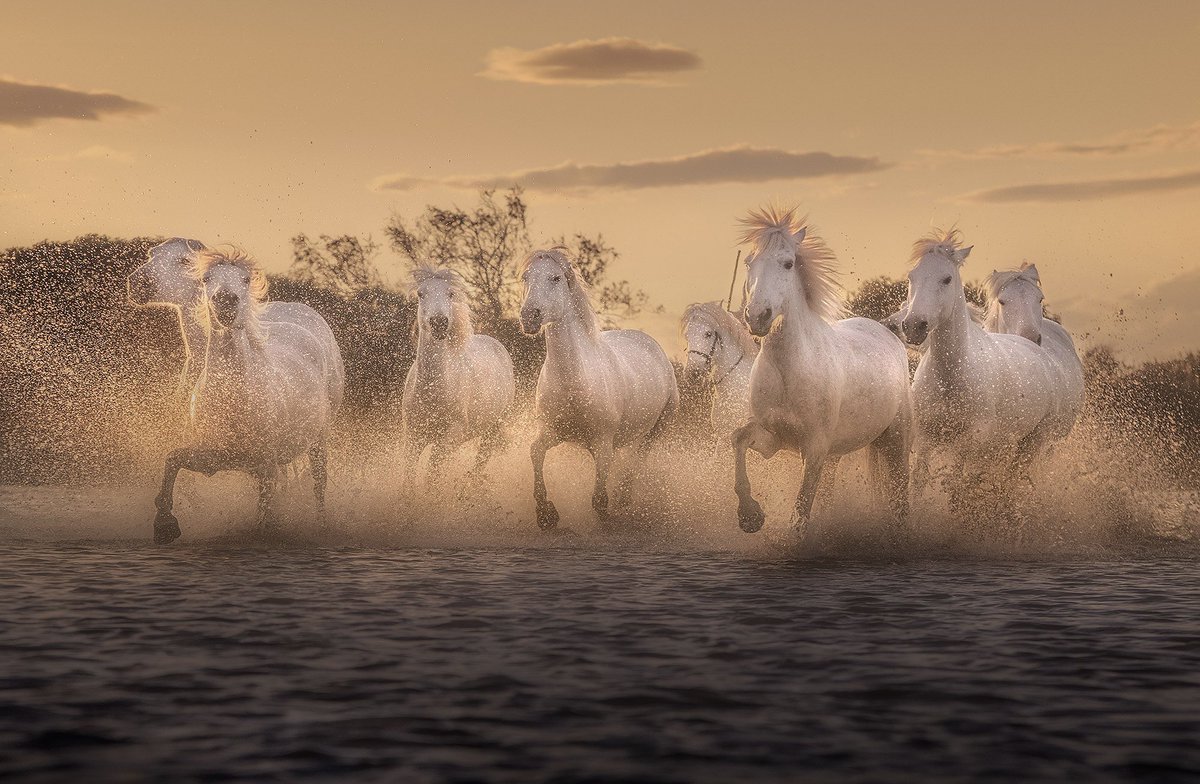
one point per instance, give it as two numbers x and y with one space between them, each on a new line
820 387
261 399
606 390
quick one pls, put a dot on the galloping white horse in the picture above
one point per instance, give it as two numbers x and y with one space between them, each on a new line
461 385
261 400
1015 307
721 348
820 387
987 399
604 390
166 278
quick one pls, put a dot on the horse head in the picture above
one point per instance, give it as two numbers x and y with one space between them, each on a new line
935 286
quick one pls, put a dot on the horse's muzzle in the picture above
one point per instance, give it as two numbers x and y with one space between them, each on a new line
915 330
225 308
531 321
759 324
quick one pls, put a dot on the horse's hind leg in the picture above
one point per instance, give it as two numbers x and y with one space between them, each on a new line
318 458
547 514
207 462
890 456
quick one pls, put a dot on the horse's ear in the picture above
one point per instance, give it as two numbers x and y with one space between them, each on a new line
1031 273
961 254
799 235
195 246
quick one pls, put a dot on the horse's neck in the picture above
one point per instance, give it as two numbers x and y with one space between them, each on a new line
731 362
433 357
228 355
802 334
953 346
570 346
194 339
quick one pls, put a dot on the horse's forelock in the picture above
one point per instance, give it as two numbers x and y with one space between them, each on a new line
772 226
943 242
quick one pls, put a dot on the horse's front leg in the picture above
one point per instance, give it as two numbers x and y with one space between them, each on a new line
318 459
414 445
547 514
750 436
814 465
602 453
206 461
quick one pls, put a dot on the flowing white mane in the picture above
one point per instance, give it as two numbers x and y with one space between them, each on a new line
771 228
725 323
996 282
577 287
946 243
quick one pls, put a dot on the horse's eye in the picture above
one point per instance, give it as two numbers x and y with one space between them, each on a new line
207 278
1002 303
946 280
788 264
556 278
246 280
708 334
183 262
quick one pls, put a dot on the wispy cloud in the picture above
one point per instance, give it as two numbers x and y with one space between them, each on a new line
604 61
1088 190
23 104
1142 141
96 152
729 165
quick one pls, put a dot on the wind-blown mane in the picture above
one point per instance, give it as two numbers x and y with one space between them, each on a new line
996 282
945 243
773 227
726 323
577 287
462 310
205 260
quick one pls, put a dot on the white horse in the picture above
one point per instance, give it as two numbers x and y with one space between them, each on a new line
605 390
988 400
1015 307
166 278
461 385
820 387
261 399
721 348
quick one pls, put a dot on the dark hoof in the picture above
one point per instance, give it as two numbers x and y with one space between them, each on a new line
751 517
547 516
166 529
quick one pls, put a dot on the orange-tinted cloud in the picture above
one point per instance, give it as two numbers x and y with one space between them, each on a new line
24 104
729 165
605 61
1088 190
1160 138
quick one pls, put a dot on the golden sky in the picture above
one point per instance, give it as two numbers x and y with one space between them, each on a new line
1063 133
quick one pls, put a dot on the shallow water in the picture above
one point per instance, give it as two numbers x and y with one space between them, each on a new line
590 658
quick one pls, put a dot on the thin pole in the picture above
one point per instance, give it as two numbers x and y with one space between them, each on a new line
738 260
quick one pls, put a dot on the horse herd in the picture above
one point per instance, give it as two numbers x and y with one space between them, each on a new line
788 373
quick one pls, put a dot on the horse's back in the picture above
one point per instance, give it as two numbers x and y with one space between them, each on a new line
647 376
318 339
492 374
